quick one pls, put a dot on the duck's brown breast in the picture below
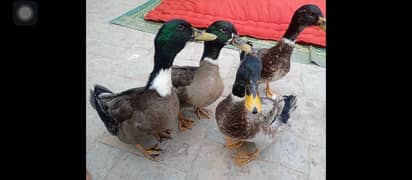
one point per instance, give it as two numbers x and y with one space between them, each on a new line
276 61
206 88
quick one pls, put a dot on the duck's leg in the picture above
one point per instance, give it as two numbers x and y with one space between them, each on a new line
269 92
246 153
184 123
232 143
202 112
151 153
163 135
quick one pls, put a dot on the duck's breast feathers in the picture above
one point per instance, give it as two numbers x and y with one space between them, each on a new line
183 75
231 119
276 61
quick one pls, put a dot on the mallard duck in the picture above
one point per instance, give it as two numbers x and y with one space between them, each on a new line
200 86
276 60
151 110
248 122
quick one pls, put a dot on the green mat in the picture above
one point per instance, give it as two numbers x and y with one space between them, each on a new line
134 19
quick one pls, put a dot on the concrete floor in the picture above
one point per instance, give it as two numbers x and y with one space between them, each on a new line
121 58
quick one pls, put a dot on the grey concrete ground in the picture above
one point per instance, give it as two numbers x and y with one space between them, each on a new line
121 58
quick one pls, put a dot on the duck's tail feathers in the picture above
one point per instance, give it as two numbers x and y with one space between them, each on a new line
289 106
96 96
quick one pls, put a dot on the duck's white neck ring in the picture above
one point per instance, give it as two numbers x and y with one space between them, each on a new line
236 98
288 42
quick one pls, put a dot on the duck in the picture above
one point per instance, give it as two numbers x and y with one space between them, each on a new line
151 110
200 86
277 59
249 122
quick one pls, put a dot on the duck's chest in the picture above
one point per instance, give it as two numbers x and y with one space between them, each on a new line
208 84
208 76
276 61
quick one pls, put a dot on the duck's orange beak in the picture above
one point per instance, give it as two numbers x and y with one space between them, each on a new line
252 100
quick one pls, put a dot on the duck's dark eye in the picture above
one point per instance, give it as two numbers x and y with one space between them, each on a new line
180 27
222 30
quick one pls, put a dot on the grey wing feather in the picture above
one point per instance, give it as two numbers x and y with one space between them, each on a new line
121 106
183 75
269 109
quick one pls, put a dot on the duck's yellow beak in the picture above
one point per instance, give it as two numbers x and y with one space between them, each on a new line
241 44
252 101
199 35
322 23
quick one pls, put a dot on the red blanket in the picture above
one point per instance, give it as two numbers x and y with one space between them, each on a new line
265 19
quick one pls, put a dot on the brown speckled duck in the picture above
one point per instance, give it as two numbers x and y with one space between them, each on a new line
276 60
152 110
200 86
248 122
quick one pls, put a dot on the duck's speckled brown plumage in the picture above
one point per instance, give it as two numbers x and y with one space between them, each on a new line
230 118
234 121
141 112
197 86
275 60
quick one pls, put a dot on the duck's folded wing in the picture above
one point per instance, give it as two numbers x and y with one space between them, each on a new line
260 52
183 75
268 110
122 106
256 52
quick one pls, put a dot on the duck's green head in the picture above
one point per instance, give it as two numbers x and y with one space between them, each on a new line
174 34
306 16
246 83
226 34
169 41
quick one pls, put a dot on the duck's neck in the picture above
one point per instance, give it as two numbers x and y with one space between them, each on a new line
293 31
238 90
160 78
211 51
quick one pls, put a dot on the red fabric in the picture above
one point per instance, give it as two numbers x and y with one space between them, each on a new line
265 19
